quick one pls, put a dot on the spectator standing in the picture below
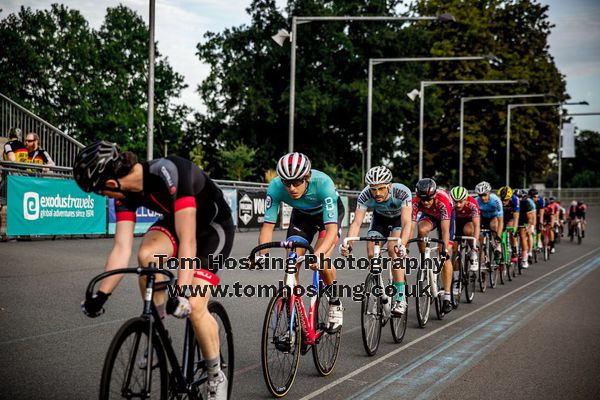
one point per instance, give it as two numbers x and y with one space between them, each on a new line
37 155
14 149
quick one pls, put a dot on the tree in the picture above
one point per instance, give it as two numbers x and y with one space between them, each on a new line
239 159
584 169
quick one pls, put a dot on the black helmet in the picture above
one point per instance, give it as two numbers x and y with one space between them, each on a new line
95 164
533 192
579 203
552 199
521 193
426 188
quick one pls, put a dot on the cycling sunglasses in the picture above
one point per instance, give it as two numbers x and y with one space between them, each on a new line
294 182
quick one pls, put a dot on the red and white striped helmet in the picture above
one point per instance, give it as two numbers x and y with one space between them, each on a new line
293 166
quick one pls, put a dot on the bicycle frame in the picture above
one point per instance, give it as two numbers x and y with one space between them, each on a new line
509 230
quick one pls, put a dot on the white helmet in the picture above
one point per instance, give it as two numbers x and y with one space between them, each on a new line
293 166
483 187
573 203
378 175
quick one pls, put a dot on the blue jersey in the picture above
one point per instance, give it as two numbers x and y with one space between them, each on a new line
511 207
320 197
399 197
539 203
492 209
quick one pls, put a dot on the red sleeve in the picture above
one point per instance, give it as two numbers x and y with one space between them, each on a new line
474 207
445 205
185 202
415 208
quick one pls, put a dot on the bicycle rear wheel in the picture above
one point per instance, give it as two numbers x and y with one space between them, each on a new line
126 364
370 316
398 324
469 280
326 349
226 352
579 235
423 303
280 347
439 299
457 284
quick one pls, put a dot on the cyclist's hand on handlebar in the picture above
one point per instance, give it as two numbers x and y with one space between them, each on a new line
400 250
259 261
444 255
345 250
179 307
93 307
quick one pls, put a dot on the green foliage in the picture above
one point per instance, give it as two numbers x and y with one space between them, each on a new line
344 178
238 161
198 156
584 169
92 84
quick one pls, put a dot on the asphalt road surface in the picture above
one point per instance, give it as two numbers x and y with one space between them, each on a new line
533 338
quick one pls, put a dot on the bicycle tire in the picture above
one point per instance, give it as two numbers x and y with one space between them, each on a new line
326 349
398 324
455 299
280 305
370 316
579 235
423 303
226 347
439 299
138 329
469 281
483 277
492 266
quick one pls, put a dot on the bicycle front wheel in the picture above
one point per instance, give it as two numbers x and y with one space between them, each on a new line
398 324
326 348
370 316
125 372
423 303
280 345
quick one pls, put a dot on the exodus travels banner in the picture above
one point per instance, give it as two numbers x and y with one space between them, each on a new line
144 218
46 206
568 141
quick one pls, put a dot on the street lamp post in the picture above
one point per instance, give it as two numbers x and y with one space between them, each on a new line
376 61
150 117
463 100
424 84
167 141
282 35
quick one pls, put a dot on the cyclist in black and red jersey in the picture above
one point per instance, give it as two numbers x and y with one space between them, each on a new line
435 208
196 223
551 218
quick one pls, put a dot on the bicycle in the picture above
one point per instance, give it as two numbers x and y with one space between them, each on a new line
467 278
534 245
289 332
546 241
488 268
577 231
509 256
376 309
144 341
427 278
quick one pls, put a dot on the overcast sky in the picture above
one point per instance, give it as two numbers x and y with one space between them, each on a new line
180 25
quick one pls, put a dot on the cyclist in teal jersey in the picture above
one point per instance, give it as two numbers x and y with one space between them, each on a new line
317 209
392 210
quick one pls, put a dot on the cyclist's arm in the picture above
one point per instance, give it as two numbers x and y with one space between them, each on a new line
119 254
446 233
500 225
266 234
331 232
531 218
359 216
515 219
477 230
185 226
407 225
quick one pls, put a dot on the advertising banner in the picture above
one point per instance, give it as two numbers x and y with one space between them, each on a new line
251 208
45 206
568 141
144 218
231 199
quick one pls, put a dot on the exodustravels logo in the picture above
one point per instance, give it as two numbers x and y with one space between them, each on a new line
31 206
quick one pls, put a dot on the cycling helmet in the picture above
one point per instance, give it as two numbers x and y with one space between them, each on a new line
521 193
95 164
580 203
552 199
426 188
505 193
533 192
458 193
573 203
483 188
293 166
378 175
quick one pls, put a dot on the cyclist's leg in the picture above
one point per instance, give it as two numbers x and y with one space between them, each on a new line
304 227
212 241
329 274
158 244
524 242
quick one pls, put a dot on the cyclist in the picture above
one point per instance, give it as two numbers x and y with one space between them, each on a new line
468 221
580 213
392 210
510 203
196 222
540 205
317 209
526 223
432 209
551 219
492 214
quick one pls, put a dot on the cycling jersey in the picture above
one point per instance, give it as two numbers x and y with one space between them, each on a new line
17 147
551 209
399 197
526 205
572 212
441 209
539 204
511 207
580 211
171 184
320 197
469 210
492 209
39 156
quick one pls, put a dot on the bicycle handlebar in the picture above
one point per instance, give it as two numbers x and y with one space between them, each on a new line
284 244
426 239
459 237
371 239
137 270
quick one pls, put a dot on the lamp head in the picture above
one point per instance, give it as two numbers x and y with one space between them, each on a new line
281 36
412 95
446 17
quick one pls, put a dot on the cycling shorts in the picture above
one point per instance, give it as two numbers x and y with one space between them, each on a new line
307 225
384 226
